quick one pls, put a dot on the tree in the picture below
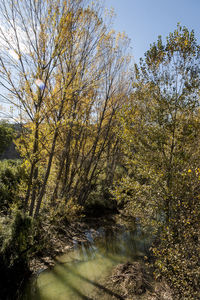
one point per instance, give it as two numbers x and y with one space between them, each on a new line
59 61
161 133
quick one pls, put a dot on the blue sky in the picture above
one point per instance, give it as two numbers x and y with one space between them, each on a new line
144 20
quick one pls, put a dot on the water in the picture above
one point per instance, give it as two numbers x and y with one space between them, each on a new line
79 273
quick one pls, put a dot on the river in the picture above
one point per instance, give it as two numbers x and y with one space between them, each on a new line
78 274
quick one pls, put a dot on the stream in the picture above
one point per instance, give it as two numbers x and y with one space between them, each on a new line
78 274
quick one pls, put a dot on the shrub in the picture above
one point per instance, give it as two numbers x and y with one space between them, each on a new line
11 174
16 241
19 241
6 135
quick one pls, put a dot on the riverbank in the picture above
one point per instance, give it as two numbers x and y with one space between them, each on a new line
61 239
52 239
125 280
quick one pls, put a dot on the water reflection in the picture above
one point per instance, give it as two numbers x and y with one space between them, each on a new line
79 272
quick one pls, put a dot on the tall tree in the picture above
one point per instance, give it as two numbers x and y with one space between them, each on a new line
161 131
59 59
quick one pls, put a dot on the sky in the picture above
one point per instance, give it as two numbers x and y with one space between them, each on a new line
144 20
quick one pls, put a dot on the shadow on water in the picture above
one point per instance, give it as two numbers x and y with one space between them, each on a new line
95 284
78 273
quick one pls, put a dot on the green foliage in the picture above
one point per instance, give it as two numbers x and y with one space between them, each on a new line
65 213
6 135
16 236
99 202
177 254
11 174
100 199
17 245
160 130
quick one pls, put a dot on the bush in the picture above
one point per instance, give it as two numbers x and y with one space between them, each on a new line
177 254
6 135
11 174
19 241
